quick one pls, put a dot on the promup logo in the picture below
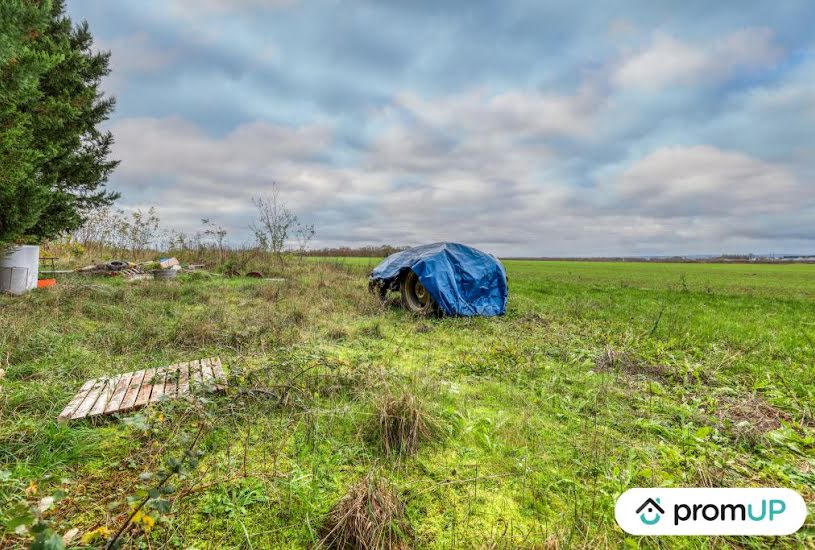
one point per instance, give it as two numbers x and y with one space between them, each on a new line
710 511
652 507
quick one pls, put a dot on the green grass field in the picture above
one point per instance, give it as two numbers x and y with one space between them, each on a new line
601 377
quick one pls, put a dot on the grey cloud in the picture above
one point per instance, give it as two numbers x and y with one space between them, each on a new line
703 180
494 129
495 193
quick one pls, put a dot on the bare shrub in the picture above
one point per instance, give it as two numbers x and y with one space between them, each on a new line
369 517
277 224
99 228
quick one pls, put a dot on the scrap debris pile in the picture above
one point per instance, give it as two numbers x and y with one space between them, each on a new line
165 268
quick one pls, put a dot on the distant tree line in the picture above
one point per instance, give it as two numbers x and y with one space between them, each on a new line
361 251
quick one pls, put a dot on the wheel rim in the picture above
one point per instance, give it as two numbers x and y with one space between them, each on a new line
420 292
417 295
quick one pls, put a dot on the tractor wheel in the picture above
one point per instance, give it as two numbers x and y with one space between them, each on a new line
415 297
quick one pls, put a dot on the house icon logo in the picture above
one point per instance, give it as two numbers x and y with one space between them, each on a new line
650 511
710 511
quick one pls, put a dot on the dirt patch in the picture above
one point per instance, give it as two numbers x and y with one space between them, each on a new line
610 360
535 319
423 328
748 416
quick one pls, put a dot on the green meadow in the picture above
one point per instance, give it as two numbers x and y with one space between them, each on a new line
600 377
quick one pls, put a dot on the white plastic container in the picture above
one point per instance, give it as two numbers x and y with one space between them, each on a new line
19 269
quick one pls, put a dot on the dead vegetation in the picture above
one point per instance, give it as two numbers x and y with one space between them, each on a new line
534 319
748 416
369 517
335 377
403 423
613 361
423 328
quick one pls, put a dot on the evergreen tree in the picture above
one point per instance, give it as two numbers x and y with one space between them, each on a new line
53 159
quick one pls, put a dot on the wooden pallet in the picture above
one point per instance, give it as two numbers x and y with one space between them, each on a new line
132 272
132 390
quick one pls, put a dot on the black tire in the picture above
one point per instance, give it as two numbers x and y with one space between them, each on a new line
415 297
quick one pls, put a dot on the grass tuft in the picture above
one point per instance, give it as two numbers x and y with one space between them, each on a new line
403 423
369 517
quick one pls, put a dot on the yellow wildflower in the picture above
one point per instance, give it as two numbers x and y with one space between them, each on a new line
99 533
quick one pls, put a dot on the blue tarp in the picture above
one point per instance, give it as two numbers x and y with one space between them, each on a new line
461 279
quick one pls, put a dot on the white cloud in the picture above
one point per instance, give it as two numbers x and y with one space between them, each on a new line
704 181
522 113
211 175
474 130
667 60
151 145
133 55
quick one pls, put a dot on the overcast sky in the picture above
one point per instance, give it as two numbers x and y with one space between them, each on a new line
526 128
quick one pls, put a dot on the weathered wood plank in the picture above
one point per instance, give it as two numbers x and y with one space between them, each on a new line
169 384
195 375
77 400
132 393
215 378
206 372
170 381
158 385
146 388
115 402
104 396
184 379
218 371
90 399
